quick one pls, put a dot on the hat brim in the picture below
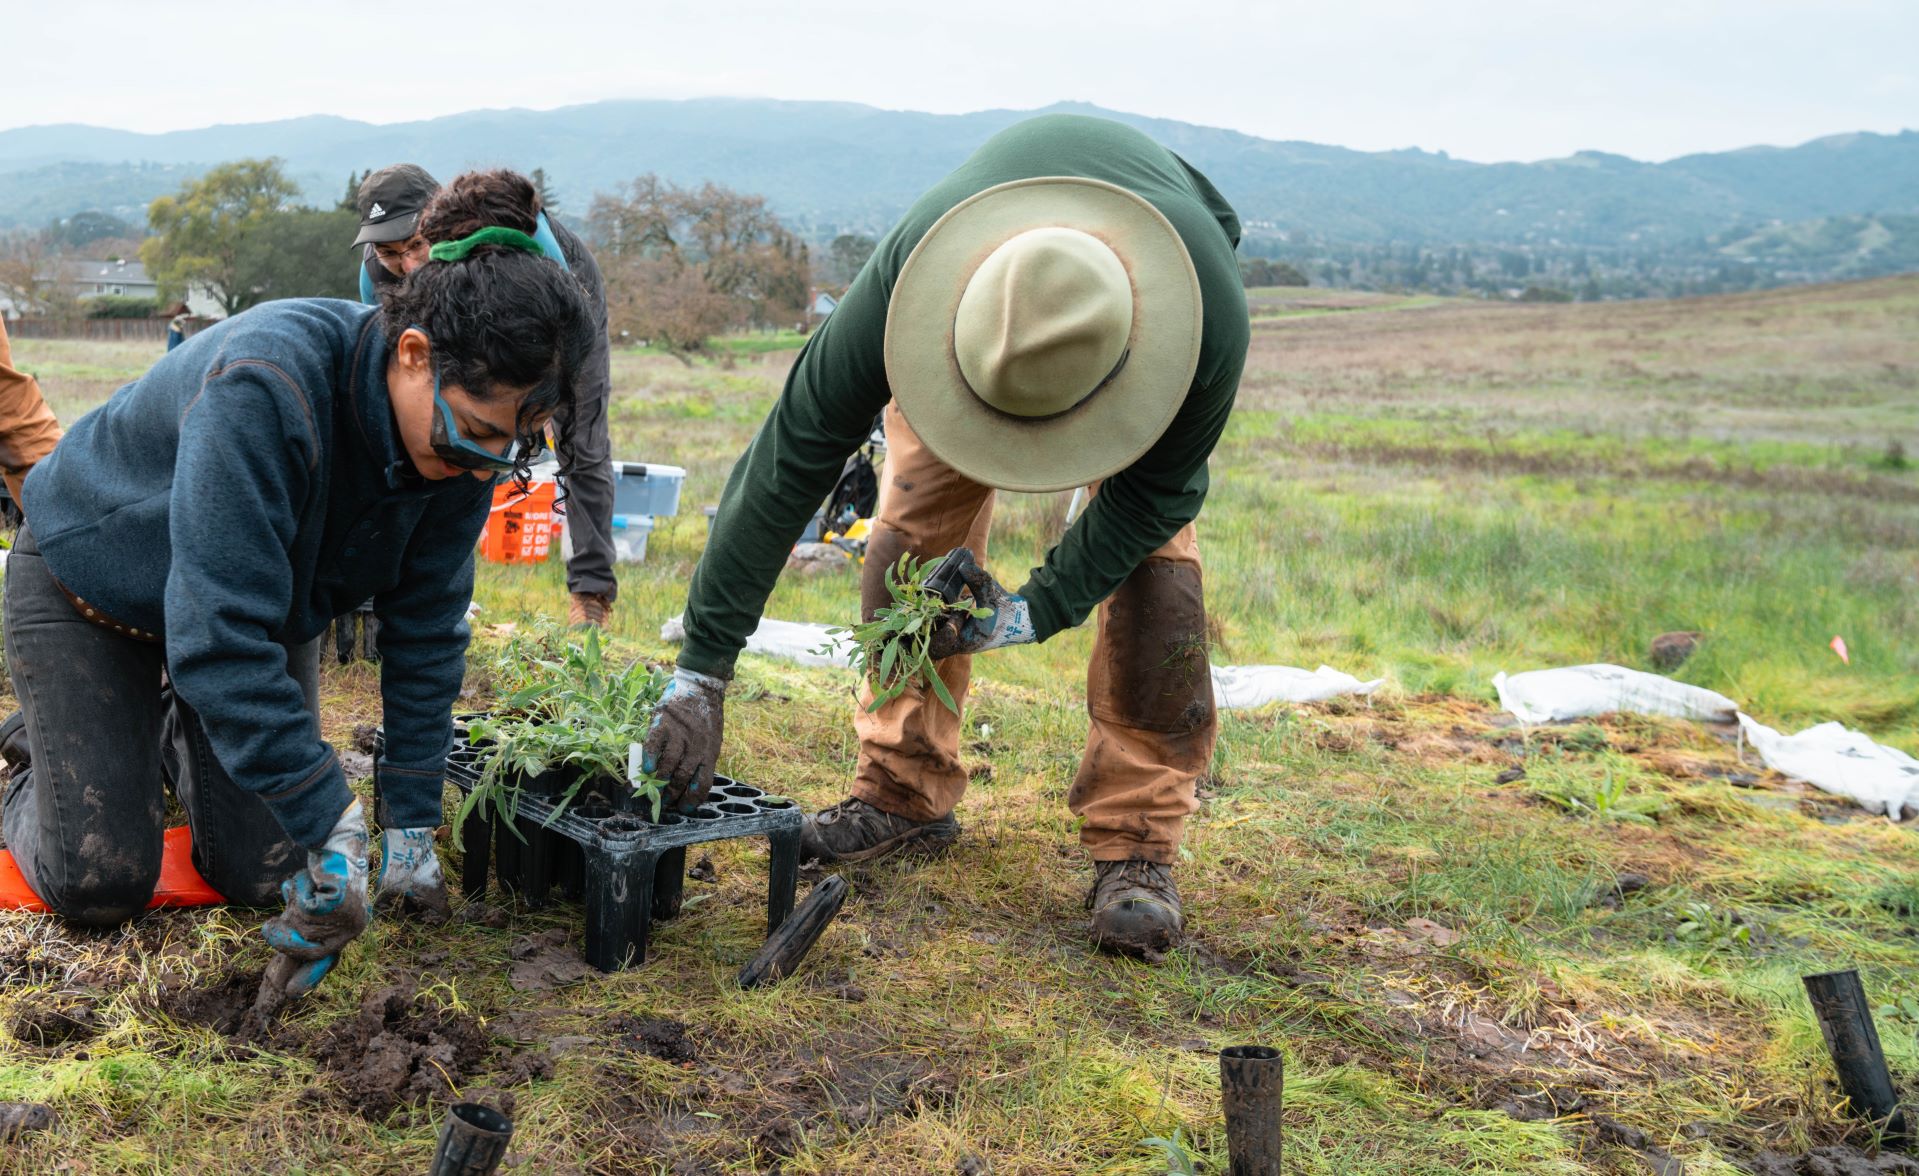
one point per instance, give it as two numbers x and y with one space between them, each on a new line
1110 429
398 228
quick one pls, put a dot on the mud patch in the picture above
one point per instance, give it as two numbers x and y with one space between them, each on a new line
54 1021
1833 1161
225 1006
663 1039
544 962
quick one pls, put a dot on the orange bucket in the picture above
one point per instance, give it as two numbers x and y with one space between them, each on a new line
519 528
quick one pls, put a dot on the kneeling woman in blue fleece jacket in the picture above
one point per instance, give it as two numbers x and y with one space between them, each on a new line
274 472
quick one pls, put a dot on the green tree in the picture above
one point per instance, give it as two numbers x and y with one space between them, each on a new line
848 253
301 253
549 199
214 232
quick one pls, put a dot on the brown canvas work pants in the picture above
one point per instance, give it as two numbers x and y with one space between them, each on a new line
28 431
1149 690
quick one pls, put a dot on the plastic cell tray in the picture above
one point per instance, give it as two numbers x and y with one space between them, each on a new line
624 866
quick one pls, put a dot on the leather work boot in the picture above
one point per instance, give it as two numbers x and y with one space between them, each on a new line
13 741
854 831
588 608
1135 908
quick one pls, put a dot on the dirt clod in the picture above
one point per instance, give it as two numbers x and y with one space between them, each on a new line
400 1051
703 871
1510 776
18 1118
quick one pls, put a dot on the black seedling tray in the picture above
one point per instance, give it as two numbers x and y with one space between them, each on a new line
628 868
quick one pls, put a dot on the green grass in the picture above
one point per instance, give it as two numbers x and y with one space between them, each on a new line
1428 496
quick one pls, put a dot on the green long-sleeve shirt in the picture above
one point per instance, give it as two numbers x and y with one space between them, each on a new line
838 385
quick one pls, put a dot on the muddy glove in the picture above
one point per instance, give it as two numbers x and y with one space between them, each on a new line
325 911
1008 619
684 741
410 881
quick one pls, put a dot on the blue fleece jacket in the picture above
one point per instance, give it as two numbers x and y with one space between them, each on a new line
245 491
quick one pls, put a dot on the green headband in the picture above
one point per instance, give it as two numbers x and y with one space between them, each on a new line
491 235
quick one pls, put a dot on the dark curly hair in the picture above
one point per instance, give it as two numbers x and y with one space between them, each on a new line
502 321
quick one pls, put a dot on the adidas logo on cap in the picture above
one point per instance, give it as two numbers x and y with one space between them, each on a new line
377 212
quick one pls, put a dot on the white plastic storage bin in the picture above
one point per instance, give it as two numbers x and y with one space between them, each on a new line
642 488
629 538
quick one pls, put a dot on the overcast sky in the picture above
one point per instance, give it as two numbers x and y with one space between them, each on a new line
1483 79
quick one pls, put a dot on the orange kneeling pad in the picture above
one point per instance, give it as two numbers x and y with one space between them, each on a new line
180 884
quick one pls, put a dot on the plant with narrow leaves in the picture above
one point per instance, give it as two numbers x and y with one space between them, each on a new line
894 649
570 709
1179 1162
1712 929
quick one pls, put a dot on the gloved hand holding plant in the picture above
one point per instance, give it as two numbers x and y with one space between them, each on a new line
897 649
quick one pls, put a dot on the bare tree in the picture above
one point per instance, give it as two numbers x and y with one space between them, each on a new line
692 262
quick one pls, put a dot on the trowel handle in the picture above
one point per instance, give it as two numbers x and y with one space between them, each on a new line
945 579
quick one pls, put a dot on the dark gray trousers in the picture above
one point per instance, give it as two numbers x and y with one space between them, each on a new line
586 463
85 821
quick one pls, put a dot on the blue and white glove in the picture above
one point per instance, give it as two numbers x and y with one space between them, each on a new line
410 881
1008 619
325 910
683 742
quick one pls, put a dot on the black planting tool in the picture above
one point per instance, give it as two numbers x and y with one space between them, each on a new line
786 947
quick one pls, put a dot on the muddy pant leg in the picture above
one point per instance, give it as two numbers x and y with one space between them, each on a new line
238 844
1149 696
909 761
84 822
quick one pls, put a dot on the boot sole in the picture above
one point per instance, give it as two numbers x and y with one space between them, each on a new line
929 839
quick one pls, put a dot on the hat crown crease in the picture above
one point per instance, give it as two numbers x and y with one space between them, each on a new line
1043 321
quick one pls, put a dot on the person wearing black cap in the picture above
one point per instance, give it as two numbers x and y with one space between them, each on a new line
390 201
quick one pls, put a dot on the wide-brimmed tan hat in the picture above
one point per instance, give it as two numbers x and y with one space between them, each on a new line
1044 332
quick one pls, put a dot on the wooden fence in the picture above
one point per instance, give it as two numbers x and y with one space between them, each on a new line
137 330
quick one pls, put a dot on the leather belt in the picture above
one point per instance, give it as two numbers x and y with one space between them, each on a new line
96 615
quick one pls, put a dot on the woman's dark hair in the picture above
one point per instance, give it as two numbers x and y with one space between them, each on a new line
501 320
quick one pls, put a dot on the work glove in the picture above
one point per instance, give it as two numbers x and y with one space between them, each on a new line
1008 619
325 911
410 882
683 742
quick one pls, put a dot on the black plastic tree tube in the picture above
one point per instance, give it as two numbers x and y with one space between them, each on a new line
786 947
472 1141
1251 1080
1839 1001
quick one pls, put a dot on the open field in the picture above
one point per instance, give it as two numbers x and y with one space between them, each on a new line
1464 976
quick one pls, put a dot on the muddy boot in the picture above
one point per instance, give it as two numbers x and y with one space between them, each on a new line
854 831
13 741
1135 908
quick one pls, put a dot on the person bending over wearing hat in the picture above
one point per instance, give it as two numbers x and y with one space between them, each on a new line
209 520
390 202
1064 310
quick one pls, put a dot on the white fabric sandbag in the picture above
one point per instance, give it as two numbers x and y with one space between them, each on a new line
1835 759
1580 692
1245 687
793 640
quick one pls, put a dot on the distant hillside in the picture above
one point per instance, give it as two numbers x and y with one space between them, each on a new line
836 166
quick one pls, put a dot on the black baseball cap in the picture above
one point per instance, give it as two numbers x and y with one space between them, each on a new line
390 201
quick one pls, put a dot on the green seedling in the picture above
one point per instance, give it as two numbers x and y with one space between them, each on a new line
1712 929
1608 800
894 649
1904 1009
1178 1161
569 708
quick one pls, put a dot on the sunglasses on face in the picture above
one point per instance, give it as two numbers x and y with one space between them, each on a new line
456 450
